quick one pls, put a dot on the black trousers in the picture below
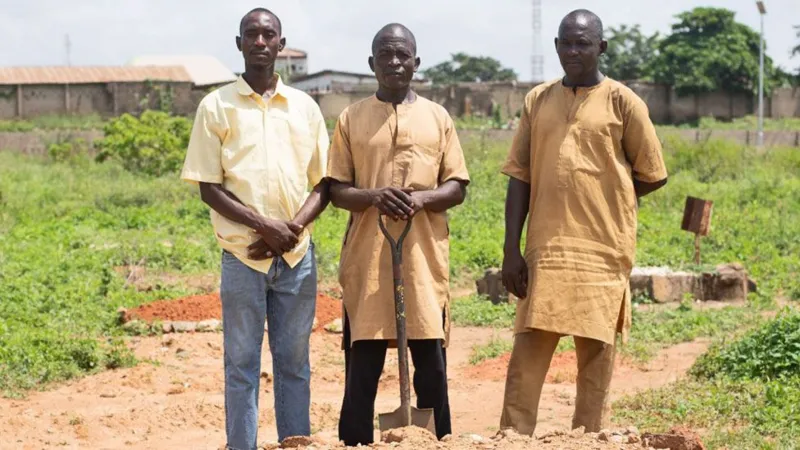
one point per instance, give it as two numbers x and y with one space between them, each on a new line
363 366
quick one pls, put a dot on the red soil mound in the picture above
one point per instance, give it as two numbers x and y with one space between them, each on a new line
202 307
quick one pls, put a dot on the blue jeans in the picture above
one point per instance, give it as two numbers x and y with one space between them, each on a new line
287 298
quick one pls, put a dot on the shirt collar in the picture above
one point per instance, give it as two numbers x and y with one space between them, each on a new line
247 91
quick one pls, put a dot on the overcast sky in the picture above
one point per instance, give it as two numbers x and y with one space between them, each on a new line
111 32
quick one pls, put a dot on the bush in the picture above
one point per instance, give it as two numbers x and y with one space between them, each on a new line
769 352
67 151
153 144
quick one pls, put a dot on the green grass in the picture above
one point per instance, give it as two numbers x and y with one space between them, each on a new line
88 122
652 330
746 123
770 352
737 414
477 311
745 392
496 346
657 329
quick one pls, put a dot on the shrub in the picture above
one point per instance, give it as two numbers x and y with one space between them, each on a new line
769 352
65 151
153 144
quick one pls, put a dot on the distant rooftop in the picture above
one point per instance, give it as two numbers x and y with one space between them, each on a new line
333 72
204 70
291 53
91 74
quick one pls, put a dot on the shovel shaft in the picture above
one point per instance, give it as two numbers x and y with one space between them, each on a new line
402 339
400 317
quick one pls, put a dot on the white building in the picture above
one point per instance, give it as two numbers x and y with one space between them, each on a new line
332 81
292 62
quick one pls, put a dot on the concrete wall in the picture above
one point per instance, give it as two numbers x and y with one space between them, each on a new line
105 99
109 99
664 104
8 102
657 98
785 103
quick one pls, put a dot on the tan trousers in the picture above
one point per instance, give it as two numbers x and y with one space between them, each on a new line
530 360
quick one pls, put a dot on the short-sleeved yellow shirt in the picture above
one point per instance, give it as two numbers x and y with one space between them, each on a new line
580 149
267 152
413 146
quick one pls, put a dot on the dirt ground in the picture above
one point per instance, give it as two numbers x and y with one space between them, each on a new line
174 397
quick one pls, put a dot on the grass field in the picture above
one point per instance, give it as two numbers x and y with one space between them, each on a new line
65 227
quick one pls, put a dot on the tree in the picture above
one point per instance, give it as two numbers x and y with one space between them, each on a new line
468 68
630 54
796 49
709 51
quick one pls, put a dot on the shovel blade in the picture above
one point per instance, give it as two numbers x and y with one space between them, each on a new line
422 418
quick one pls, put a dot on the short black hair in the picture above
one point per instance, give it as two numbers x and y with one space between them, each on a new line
593 21
394 29
261 10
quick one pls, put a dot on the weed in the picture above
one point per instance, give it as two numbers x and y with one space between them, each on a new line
478 311
496 346
769 352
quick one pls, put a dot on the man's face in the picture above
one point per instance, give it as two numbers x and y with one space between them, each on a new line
394 62
260 40
579 47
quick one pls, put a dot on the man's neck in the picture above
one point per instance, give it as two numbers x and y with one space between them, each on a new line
586 81
396 97
261 80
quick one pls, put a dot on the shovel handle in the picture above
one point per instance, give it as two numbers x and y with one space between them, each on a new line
396 245
400 315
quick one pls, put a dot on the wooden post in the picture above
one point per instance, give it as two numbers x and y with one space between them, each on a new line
20 109
697 249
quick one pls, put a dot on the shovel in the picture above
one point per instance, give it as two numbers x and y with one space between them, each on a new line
406 415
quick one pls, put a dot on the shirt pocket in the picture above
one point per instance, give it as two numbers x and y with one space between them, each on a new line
423 173
593 151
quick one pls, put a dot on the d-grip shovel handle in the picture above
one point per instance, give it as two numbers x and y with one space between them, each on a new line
396 245
400 316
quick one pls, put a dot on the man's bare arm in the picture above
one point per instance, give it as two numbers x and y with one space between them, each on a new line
279 235
314 205
449 194
515 269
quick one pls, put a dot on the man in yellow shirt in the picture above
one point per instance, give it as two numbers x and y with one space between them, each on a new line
256 147
398 154
585 150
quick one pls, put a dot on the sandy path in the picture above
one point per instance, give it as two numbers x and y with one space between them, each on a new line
175 398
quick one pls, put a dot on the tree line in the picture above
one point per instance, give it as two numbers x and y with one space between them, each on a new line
707 50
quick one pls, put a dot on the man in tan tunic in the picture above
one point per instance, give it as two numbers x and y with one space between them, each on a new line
584 152
398 154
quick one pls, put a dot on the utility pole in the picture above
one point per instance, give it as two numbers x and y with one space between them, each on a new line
537 55
68 46
762 10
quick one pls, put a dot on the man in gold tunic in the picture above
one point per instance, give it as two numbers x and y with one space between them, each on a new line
583 154
396 154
